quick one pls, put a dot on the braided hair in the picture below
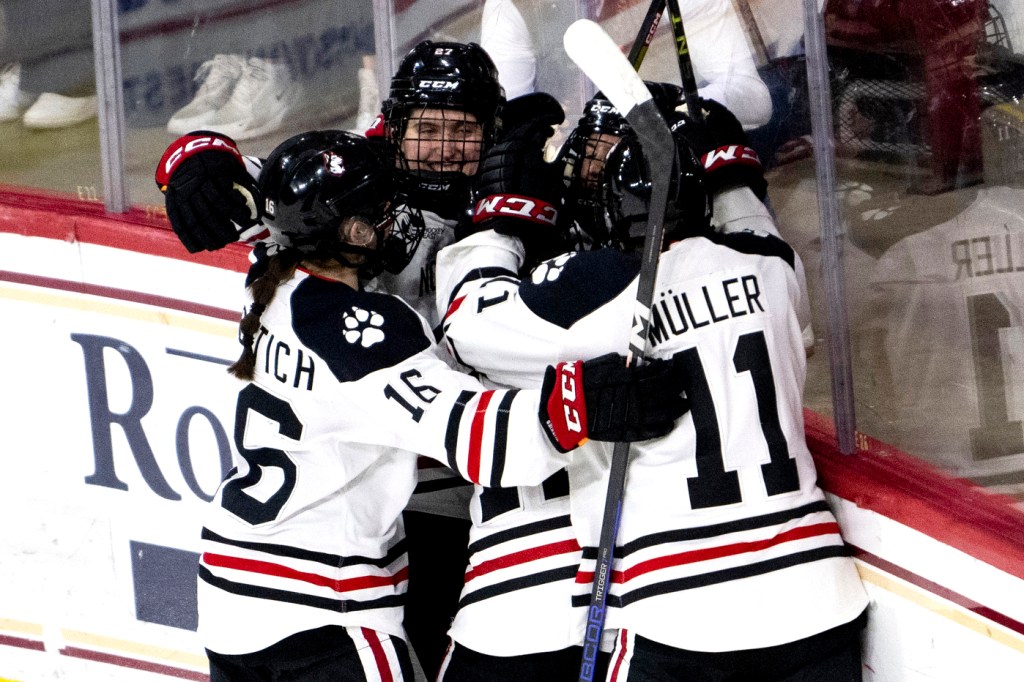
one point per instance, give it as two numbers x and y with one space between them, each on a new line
265 278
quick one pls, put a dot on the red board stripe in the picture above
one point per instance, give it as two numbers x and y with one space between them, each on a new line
134 664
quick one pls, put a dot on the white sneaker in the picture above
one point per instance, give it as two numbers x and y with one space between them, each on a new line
13 100
369 100
218 78
57 111
265 97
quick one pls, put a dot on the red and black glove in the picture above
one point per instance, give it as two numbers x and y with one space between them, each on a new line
209 195
516 192
723 148
603 400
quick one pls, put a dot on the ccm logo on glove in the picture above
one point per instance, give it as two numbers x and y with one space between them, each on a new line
567 402
730 155
189 145
513 205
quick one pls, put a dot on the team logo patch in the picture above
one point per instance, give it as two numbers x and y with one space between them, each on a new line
362 327
334 164
549 270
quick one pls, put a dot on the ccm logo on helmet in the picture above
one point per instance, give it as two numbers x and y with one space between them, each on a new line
534 210
602 109
438 85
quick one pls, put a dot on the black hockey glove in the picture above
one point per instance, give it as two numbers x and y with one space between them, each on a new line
516 191
724 149
209 195
602 399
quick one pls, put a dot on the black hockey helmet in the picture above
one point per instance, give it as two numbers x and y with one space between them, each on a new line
313 181
448 76
601 128
601 117
625 191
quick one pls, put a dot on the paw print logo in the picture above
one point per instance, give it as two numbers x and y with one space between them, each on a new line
549 270
362 327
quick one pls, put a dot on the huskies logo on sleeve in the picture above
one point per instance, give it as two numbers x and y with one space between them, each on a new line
549 270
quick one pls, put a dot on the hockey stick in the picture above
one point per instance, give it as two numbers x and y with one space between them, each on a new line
600 58
646 34
685 65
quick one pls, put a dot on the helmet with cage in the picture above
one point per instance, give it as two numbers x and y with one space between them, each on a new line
441 114
314 182
623 197
601 128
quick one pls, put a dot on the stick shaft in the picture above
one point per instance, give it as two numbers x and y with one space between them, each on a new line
646 33
689 82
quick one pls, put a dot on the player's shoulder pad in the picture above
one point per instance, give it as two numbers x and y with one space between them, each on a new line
567 288
355 332
757 244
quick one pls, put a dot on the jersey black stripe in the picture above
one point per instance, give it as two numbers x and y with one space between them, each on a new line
451 436
332 560
551 576
756 244
714 530
722 576
525 530
272 594
501 436
439 484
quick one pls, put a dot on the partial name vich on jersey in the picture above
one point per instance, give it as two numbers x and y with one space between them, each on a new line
279 362
676 312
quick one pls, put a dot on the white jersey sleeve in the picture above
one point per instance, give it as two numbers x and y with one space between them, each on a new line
738 210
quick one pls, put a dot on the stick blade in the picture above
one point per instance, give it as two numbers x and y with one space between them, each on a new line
602 61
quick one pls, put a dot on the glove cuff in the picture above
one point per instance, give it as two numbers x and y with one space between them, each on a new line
734 164
515 206
190 145
563 410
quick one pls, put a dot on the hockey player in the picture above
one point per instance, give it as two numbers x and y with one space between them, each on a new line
729 563
440 116
303 562
515 620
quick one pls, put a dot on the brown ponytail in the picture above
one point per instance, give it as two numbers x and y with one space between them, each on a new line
280 267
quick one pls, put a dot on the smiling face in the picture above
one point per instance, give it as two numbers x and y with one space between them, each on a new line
442 140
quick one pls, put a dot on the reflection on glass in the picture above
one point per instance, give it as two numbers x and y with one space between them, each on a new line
48 105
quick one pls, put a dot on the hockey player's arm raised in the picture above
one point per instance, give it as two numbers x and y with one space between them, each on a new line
209 190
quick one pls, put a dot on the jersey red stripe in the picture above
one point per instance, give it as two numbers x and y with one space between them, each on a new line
710 553
476 435
276 570
623 639
379 655
522 557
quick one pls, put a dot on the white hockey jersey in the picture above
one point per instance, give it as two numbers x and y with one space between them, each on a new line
725 541
306 530
440 490
948 306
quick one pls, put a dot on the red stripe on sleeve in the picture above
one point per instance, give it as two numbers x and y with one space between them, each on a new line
476 436
379 655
